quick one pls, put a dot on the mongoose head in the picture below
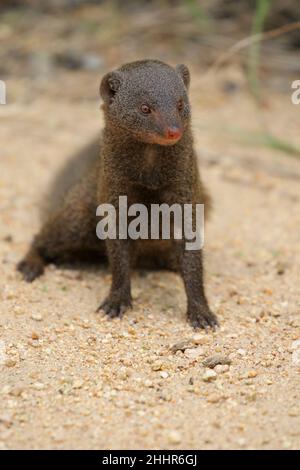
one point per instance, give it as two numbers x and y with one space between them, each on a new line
148 100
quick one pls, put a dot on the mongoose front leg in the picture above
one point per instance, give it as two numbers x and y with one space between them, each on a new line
119 297
190 263
191 268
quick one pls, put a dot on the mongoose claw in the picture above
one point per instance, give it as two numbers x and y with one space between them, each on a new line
30 269
114 308
203 318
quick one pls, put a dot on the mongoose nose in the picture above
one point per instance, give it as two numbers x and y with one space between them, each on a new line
173 133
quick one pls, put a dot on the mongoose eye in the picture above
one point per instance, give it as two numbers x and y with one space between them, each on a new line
180 105
145 109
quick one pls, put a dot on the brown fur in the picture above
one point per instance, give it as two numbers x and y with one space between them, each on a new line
136 159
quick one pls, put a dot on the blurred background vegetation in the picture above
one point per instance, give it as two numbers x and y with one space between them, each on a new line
46 45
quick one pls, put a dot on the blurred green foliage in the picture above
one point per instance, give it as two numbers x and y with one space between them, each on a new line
261 12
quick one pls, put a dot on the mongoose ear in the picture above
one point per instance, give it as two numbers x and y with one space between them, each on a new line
184 73
109 86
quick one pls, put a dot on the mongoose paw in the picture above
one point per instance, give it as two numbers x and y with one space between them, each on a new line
113 307
31 268
202 317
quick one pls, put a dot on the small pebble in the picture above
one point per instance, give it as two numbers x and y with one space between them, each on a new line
6 419
213 398
37 317
296 358
78 384
174 437
39 386
148 383
241 352
295 344
200 338
252 374
157 365
209 375
164 374
193 353
218 359
293 412
221 369
16 391
181 346
241 441
10 362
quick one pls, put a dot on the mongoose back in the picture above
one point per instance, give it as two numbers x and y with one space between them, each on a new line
147 154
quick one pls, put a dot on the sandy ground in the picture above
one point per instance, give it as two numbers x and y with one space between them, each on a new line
69 378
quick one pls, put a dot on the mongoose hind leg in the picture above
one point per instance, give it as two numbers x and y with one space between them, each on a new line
71 230
32 266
